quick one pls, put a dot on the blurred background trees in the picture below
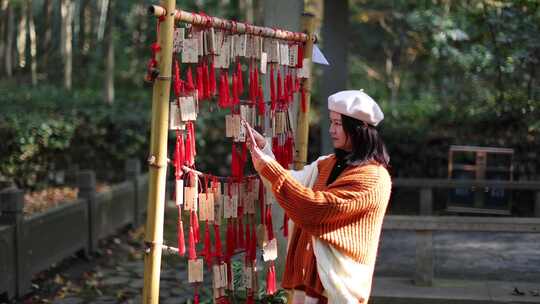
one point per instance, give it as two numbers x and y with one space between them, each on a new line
446 72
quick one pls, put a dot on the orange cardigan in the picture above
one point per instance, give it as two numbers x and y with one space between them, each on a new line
348 214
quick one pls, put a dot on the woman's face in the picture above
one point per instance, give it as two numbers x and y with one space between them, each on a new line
340 140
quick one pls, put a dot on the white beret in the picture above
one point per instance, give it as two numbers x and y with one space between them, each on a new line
356 104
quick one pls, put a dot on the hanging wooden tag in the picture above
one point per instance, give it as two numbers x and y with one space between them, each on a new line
210 41
190 51
178 40
239 131
269 196
223 48
227 207
250 44
234 212
223 271
217 44
216 282
195 271
188 110
270 250
264 62
284 54
272 49
240 45
203 216
198 34
258 47
190 198
175 121
305 71
293 55
210 216
248 277
229 126
179 192
218 209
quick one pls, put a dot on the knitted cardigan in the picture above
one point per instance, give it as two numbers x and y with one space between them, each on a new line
346 214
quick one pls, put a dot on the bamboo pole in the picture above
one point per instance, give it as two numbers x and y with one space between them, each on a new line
158 158
233 26
302 128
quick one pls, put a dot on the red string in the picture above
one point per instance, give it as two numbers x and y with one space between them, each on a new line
271 279
180 236
273 95
212 79
217 238
190 86
200 81
207 245
192 250
269 227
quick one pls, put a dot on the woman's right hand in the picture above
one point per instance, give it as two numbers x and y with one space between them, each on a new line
259 139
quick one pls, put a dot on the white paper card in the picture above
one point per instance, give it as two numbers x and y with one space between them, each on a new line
190 51
305 71
179 192
293 55
195 271
175 121
188 110
264 62
270 250
178 40
284 54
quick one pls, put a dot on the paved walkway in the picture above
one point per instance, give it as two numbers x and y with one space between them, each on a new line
474 259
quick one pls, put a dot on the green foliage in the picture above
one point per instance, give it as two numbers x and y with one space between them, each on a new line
451 72
47 128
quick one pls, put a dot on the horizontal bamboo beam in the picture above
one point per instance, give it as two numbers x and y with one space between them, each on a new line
232 26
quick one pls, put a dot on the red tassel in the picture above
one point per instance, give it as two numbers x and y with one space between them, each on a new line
269 224
240 83
247 243
279 93
189 161
227 92
253 245
191 129
300 63
178 155
235 236
241 243
230 241
189 80
212 79
206 78
196 297
200 82
217 238
262 106
207 246
273 97
261 202
192 255
181 241
271 279
249 299
177 82
196 228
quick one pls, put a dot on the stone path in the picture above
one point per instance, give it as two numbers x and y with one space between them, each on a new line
116 275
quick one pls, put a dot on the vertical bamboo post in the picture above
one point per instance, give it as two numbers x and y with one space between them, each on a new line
158 157
302 129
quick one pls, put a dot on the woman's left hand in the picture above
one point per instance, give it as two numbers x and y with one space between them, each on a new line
258 158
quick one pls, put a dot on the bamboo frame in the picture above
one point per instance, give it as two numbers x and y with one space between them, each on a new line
160 113
233 26
158 159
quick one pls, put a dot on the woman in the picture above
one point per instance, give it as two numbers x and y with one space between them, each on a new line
337 204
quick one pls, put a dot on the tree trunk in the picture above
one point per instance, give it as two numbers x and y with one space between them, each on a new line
66 12
104 6
21 36
46 34
33 46
85 31
3 20
109 56
10 31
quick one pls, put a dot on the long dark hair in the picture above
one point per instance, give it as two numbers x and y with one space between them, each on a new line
367 144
